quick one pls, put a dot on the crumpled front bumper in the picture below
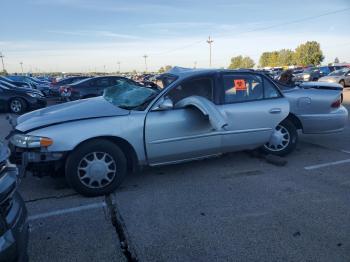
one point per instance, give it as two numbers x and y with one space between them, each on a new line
13 217
36 160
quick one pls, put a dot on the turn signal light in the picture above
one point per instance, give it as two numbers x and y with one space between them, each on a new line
336 104
45 142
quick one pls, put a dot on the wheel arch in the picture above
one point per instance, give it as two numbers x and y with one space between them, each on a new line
125 146
295 120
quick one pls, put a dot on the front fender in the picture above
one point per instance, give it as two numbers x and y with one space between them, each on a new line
67 136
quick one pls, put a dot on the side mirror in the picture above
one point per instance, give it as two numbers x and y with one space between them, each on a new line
165 104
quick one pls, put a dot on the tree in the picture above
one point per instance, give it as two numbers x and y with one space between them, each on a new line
241 62
3 73
336 60
165 69
264 59
309 53
285 57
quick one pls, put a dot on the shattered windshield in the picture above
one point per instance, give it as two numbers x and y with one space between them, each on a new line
129 96
339 72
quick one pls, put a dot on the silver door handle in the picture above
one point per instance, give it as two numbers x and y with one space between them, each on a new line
275 111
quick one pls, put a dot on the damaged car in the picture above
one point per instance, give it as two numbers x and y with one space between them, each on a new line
190 114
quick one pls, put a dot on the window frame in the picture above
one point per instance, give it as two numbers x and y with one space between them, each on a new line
245 75
211 76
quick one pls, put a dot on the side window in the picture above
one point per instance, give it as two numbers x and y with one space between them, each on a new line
102 82
270 90
242 88
196 87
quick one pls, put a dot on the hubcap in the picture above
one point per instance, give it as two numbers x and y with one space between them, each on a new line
97 170
279 140
16 106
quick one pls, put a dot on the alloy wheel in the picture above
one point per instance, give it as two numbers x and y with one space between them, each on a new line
97 170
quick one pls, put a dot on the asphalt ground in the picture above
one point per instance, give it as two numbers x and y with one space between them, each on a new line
238 207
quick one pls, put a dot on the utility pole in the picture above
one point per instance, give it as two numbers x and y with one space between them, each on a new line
145 57
104 68
210 42
2 60
118 66
195 64
21 63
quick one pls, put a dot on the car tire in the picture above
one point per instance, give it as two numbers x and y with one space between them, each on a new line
342 82
96 168
17 105
283 141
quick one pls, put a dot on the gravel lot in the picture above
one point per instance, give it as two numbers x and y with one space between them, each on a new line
234 208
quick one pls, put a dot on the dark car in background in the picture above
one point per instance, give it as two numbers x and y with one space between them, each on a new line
40 85
55 86
16 83
91 87
18 99
14 233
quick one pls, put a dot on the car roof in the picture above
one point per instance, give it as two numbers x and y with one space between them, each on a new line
311 84
183 72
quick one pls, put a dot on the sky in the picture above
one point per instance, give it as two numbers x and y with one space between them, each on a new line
94 35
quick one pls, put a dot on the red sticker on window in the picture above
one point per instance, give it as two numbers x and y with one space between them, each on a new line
240 85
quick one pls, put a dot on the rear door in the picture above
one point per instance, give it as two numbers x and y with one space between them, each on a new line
253 107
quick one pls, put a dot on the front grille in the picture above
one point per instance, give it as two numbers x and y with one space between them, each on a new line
3 165
6 206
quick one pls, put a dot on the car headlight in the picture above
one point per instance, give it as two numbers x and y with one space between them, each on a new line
307 76
27 141
331 80
33 94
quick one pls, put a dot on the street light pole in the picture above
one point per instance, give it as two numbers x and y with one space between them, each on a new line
118 66
210 42
195 64
21 63
145 57
2 60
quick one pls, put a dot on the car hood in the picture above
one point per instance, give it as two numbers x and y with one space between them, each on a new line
72 111
326 78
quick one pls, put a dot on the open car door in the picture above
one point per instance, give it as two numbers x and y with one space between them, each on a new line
183 125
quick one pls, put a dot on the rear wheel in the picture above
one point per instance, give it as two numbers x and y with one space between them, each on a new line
17 105
283 140
342 82
96 168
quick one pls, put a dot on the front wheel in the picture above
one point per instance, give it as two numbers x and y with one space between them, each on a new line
17 105
96 168
283 139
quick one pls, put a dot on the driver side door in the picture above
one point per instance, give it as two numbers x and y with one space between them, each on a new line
180 134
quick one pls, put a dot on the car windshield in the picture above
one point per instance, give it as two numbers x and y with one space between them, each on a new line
129 96
339 72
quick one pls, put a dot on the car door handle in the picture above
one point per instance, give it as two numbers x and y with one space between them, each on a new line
275 111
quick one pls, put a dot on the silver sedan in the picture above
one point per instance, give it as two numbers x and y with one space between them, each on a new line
341 76
190 114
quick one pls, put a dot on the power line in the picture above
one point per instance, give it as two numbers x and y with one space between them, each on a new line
260 29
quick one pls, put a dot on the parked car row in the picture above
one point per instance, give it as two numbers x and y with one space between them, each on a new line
13 213
189 114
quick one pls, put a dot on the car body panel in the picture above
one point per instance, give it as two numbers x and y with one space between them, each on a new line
72 111
13 213
313 108
251 124
127 127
